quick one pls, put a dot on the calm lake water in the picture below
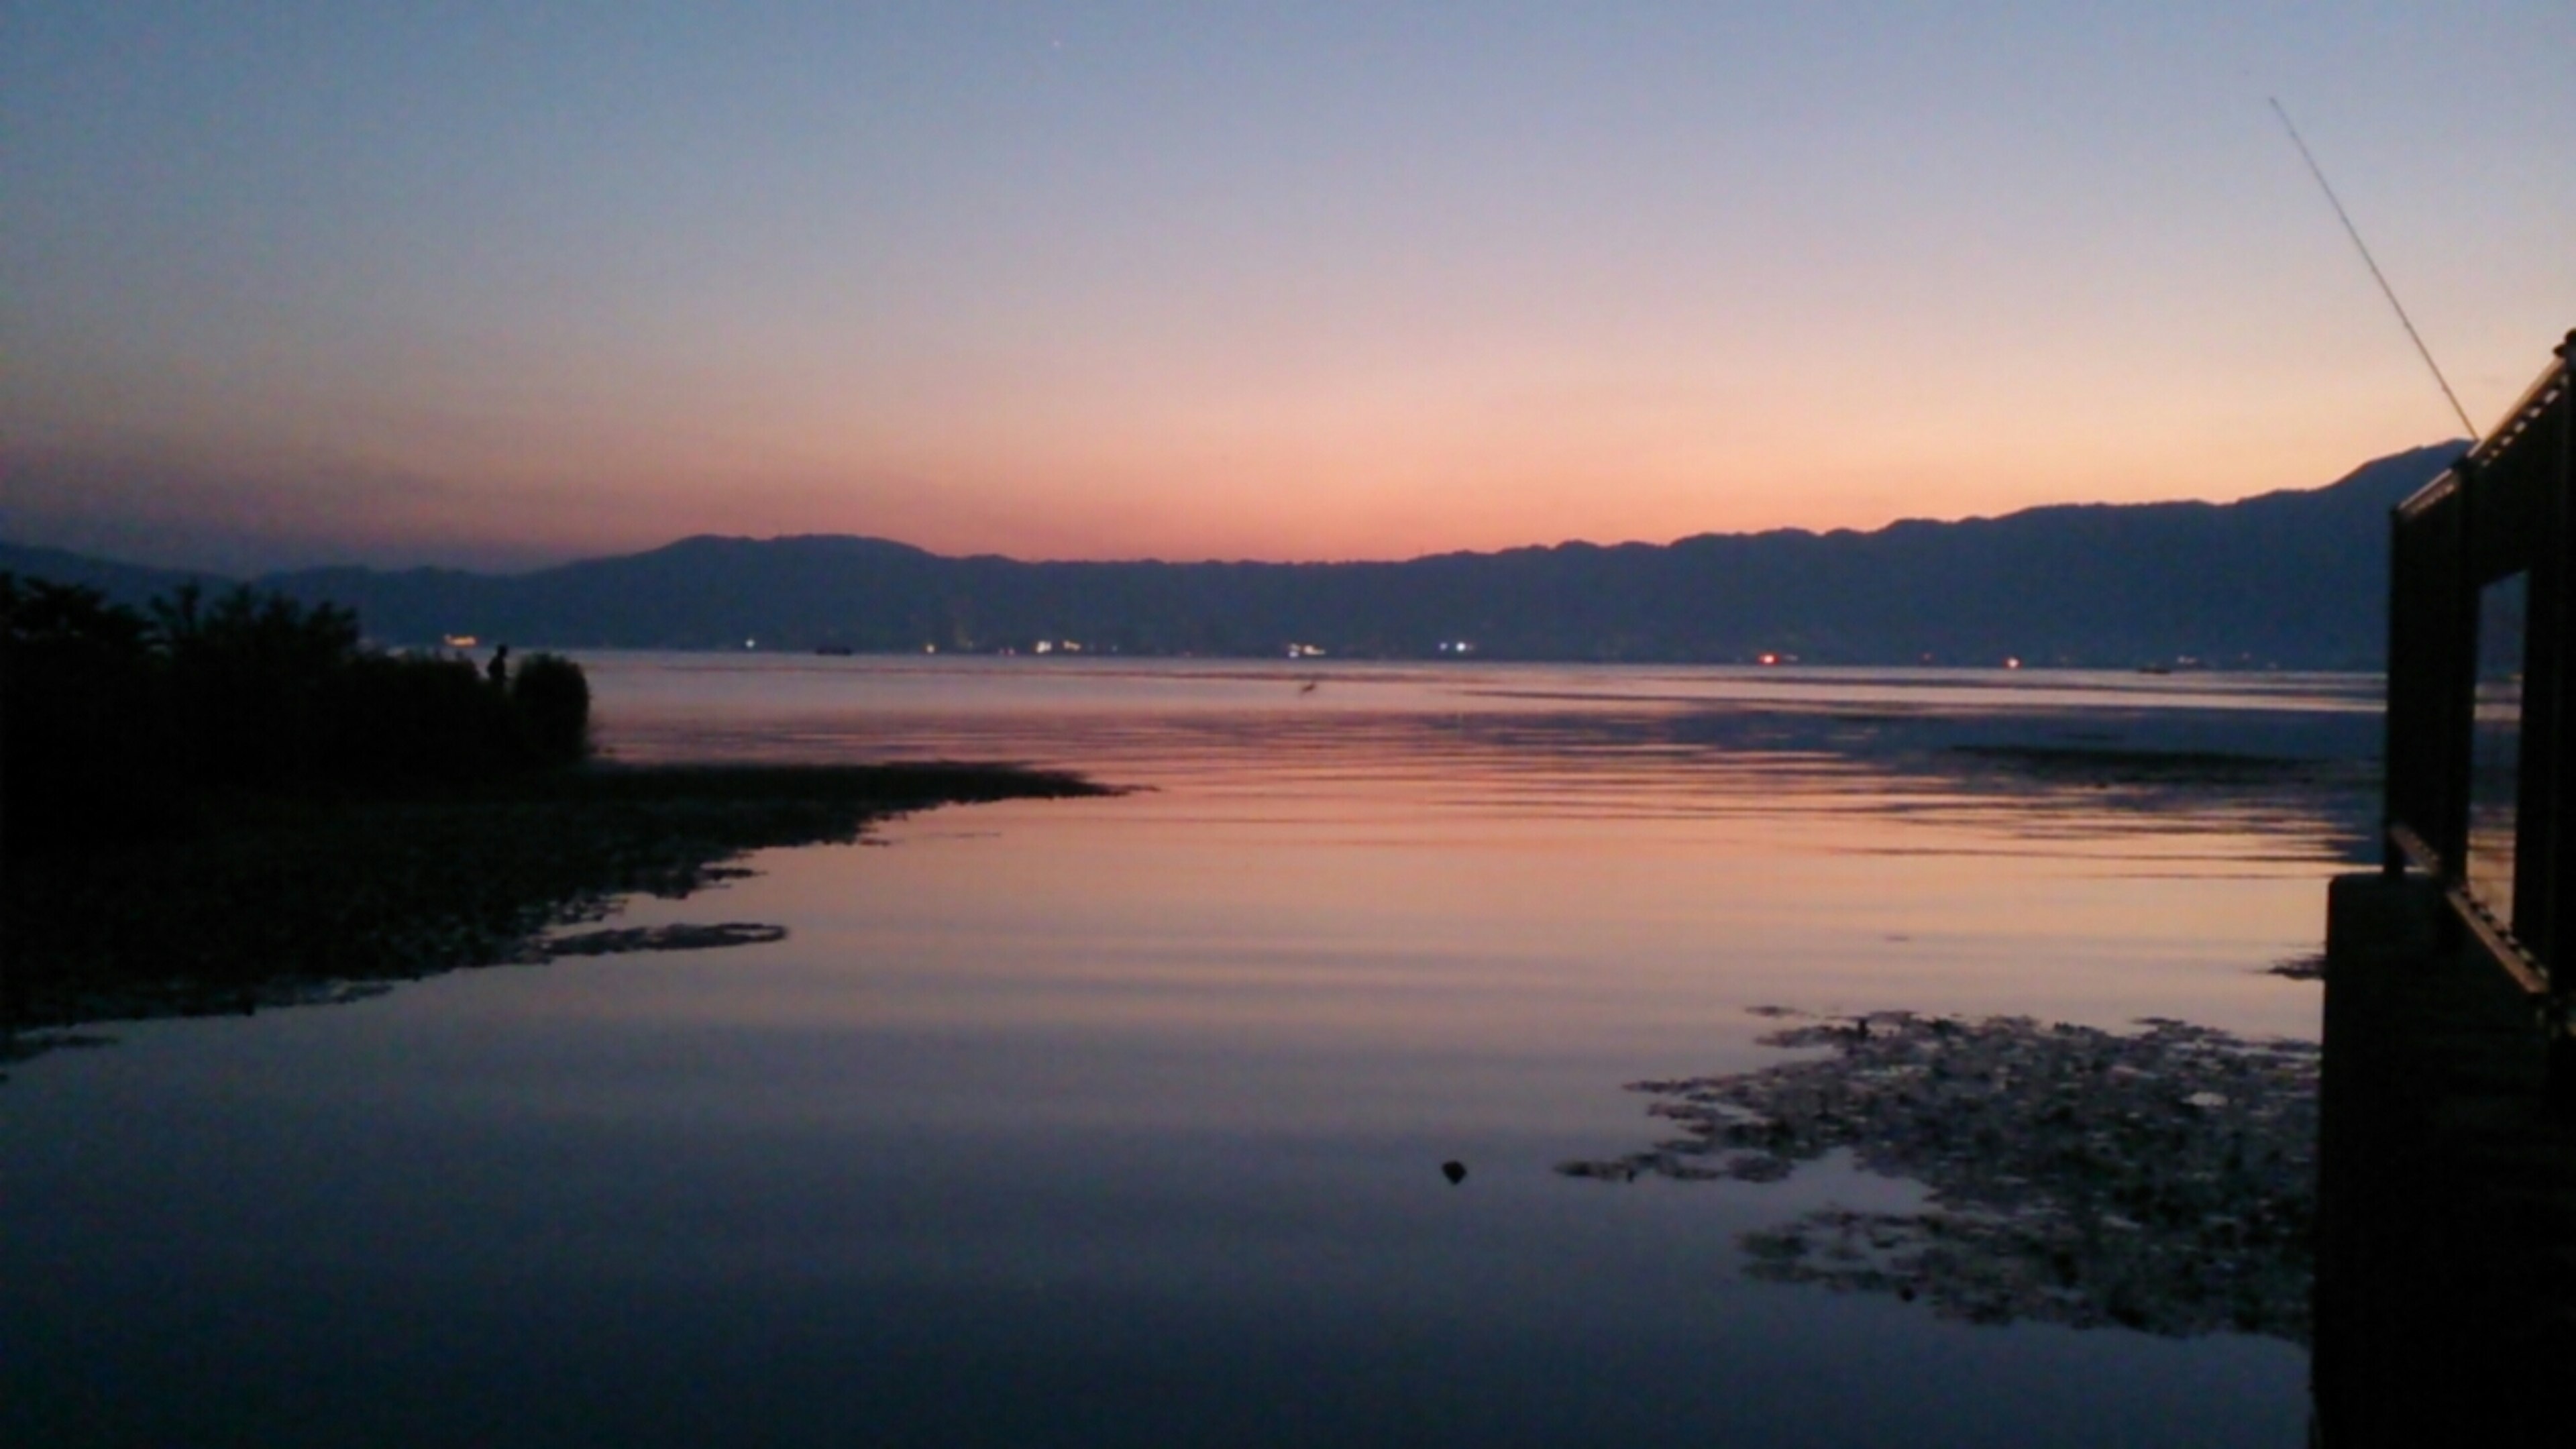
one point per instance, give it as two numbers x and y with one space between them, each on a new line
1121 1120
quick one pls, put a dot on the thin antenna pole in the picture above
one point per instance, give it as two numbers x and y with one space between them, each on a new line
2371 262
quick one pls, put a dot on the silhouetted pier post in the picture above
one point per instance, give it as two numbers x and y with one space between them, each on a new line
2446 1225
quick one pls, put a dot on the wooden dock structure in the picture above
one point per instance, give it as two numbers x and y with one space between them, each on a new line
2446 1253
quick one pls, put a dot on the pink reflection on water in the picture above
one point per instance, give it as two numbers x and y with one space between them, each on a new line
1595 868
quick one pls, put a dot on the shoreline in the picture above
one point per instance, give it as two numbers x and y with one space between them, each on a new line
280 901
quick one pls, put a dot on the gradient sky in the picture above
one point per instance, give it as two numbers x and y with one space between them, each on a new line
502 284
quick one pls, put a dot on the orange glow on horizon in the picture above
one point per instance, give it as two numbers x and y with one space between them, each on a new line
1330 285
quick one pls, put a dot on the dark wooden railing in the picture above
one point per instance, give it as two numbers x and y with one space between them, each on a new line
2507 508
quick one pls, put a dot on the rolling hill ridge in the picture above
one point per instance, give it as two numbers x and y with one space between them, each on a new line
2294 579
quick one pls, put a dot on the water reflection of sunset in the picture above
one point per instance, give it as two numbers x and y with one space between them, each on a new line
1131 1095
1478 860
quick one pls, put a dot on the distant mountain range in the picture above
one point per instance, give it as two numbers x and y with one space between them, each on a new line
2296 579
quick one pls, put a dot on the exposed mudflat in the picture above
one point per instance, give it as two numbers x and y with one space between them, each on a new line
287 902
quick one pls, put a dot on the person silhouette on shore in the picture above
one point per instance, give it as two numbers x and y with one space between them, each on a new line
498 671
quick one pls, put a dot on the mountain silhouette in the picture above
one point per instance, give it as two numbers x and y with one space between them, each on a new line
2294 579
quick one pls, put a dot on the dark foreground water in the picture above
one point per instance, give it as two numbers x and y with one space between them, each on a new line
1121 1121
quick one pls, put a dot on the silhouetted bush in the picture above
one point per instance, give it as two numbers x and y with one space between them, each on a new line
421 719
251 684
552 698
111 722
84 752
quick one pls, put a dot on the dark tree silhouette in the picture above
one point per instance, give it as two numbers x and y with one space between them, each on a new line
114 723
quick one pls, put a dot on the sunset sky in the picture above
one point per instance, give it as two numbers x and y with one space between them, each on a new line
504 284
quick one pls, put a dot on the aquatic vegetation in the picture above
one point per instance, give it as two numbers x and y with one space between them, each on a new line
2162 1180
685 936
2310 966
